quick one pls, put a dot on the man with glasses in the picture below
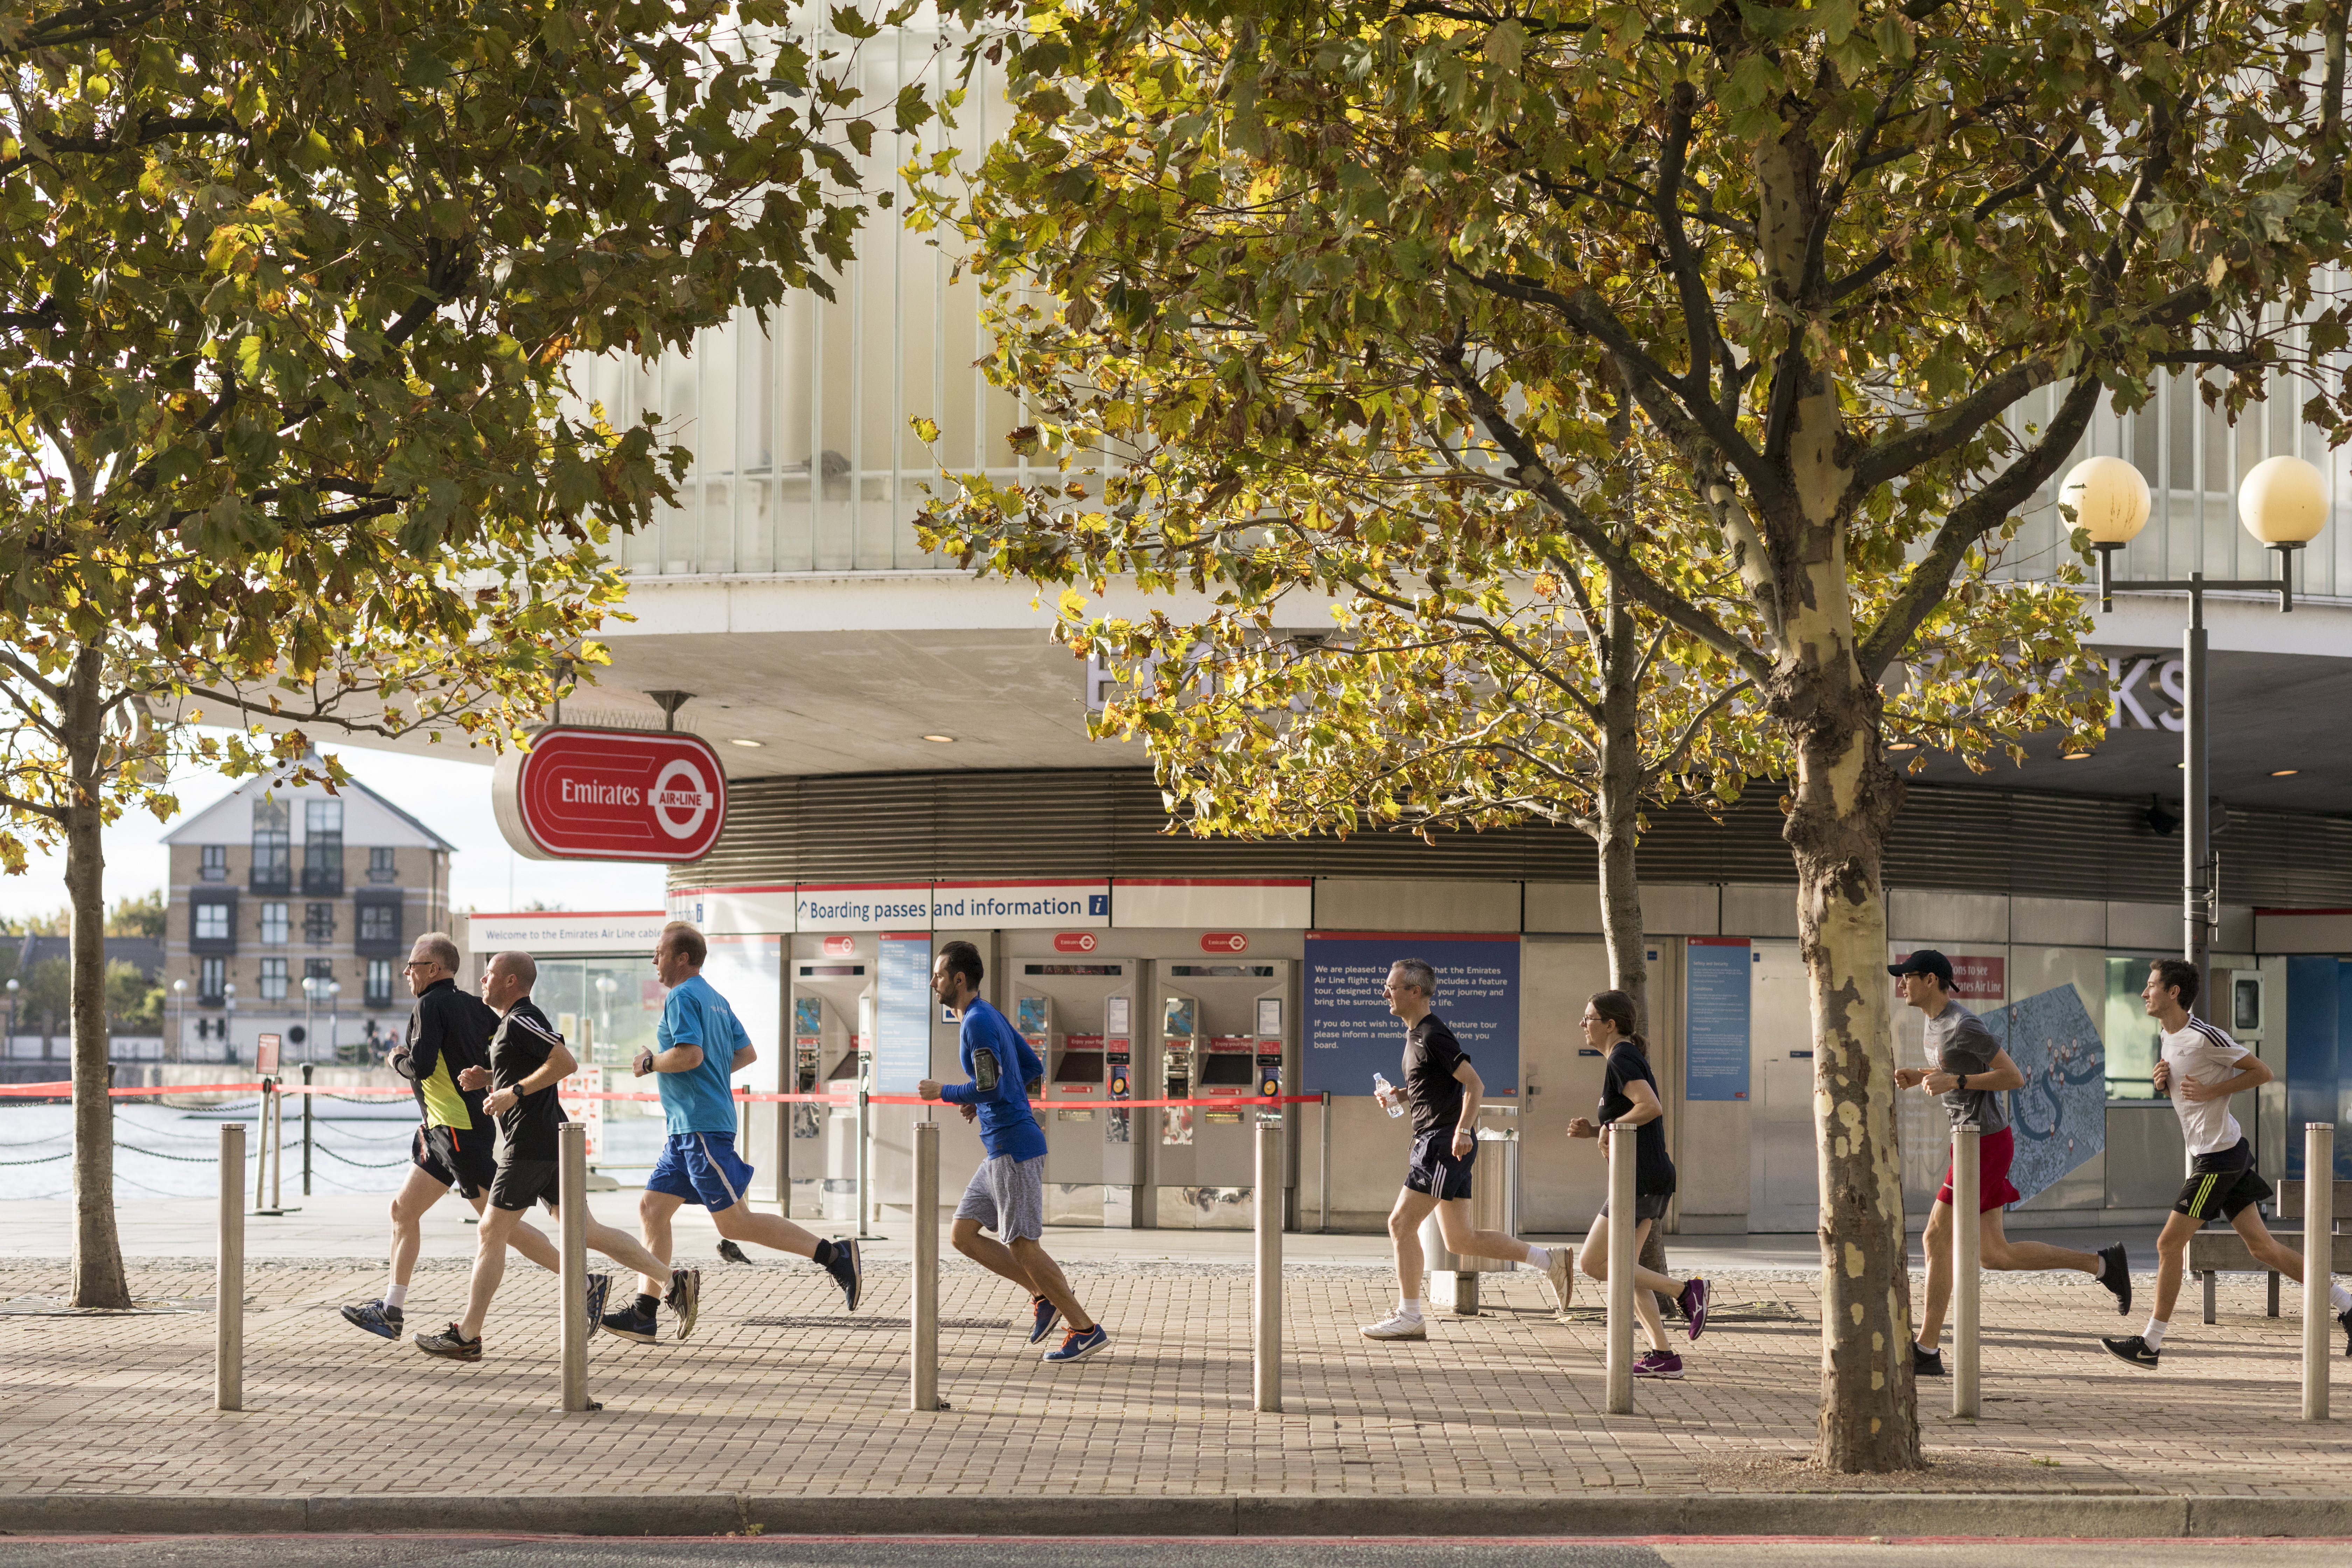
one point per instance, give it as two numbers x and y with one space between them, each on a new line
455 1144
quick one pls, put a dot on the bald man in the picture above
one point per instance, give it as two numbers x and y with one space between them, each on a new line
528 1059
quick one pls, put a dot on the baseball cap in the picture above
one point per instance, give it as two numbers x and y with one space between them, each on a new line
1927 960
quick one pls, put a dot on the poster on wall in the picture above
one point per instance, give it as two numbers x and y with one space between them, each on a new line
902 1013
2060 1116
1351 1035
1716 1002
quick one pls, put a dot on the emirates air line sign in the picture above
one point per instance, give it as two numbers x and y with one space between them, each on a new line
611 794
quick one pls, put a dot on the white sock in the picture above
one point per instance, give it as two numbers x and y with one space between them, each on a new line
1539 1257
1409 1308
2338 1298
2154 1333
396 1295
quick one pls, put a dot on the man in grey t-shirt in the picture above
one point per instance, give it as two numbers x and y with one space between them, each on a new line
1969 1072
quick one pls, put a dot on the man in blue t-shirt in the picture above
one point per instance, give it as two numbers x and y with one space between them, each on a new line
1007 1194
700 1046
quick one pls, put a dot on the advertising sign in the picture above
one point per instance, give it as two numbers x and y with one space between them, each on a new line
611 794
563 933
1715 1003
902 1055
264 1056
1351 1035
573 1093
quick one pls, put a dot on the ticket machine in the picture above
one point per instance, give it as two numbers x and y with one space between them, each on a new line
1225 1034
833 1033
1075 1015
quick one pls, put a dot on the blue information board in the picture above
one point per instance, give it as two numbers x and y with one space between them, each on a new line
1351 1035
902 1008
1715 999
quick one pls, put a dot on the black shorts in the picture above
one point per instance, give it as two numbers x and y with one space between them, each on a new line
466 1161
1434 1169
522 1182
1646 1206
2221 1185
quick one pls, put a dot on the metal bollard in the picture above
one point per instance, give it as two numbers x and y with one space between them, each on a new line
2318 1263
1968 1267
865 1161
572 1284
1622 1253
924 1310
274 1107
1266 1373
1323 1178
307 1098
228 1280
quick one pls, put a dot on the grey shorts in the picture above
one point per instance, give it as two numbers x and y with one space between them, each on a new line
1008 1196
1646 1206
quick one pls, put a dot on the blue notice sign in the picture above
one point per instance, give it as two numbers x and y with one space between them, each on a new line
1714 998
1351 1035
902 1056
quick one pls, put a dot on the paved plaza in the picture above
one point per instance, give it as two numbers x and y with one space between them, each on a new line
780 1391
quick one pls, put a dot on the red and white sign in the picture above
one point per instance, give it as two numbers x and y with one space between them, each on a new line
611 794
841 947
1975 977
1223 941
572 1093
1074 942
264 1056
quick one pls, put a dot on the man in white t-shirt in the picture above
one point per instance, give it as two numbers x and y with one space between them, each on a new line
2201 1068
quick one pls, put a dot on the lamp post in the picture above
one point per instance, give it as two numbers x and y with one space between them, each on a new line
2282 502
179 1011
228 1032
334 1021
310 1008
12 1017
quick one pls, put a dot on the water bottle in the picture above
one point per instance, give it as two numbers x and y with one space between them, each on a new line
1394 1101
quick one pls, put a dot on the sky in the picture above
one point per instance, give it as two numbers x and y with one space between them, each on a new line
453 798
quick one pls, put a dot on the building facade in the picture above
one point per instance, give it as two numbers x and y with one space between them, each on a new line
290 911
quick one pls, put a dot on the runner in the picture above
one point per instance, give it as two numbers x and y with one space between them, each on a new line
1007 1193
1443 1093
1629 1097
448 1031
528 1059
2201 1068
698 1046
1967 1069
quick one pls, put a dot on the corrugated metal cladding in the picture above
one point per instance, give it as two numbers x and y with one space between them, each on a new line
1110 822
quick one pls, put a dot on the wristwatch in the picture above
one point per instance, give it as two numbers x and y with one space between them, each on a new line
1964 1083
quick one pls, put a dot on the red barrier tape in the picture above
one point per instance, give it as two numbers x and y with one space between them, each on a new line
1232 1102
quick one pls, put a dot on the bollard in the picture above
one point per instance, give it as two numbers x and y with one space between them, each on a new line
1267 1295
571 1283
924 1310
1323 1178
274 1106
865 1161
2318 1263
1968 1265
228 1280
1622 1226
306 1097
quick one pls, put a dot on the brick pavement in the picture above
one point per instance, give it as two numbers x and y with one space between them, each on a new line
1507 1403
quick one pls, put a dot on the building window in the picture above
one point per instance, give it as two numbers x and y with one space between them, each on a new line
323 846
379 983
273 925
212 923
380 867
212 979
214 865
379 923
318 923
273 862
273 980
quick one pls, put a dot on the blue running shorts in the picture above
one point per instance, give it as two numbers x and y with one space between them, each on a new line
701 1168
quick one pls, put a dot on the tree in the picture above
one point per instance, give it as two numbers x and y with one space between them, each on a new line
1829 253
139 916
288 302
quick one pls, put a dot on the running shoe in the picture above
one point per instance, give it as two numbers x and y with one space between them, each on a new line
377 1319
847 1273
1081 1343
1046 1314
731 1253
2130 1347
633 1322
2115 1273
600 1288
1661 1364
1561 1271
1693 1300
1927 1363
450 1345
1396 1326
685 1297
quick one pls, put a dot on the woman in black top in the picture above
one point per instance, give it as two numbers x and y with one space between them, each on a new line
1628 1098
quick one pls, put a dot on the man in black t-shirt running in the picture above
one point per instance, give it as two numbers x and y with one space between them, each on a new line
1442 1090
528 1059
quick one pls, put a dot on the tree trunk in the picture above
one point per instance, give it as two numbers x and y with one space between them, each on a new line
97 1276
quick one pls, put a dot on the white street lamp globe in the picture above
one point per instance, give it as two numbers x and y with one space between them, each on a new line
2109 497
2283 500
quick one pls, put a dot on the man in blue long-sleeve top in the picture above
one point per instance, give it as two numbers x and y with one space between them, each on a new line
1007 1193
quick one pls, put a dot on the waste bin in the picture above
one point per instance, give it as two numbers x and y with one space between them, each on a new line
1493 1205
